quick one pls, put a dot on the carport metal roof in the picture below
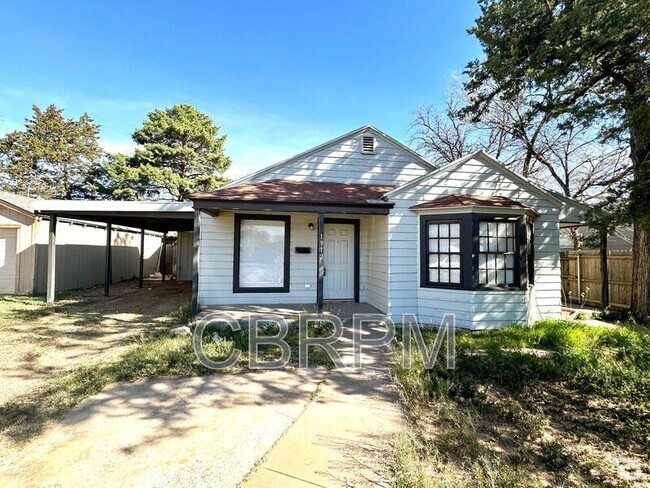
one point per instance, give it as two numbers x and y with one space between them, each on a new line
157 216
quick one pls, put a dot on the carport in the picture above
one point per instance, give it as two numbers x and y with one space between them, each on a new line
161 217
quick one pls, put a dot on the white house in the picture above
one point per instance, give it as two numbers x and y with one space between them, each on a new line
364 218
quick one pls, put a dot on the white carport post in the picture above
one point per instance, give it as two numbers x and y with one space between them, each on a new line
51 261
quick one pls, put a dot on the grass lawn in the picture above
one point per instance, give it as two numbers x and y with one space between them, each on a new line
561 404
149 353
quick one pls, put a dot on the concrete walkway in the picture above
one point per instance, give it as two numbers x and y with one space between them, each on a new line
206 431
342 437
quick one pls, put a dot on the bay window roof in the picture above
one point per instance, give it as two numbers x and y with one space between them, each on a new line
461 200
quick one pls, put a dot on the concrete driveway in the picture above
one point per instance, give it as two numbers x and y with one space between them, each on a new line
202 431
283 428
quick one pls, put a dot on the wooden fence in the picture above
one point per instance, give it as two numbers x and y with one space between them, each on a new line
581 278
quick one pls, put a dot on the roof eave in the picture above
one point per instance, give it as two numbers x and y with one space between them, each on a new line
310 207
477 209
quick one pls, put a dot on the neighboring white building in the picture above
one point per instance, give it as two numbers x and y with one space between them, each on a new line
364 218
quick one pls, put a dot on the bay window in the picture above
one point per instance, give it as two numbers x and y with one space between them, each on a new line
474 251
261 254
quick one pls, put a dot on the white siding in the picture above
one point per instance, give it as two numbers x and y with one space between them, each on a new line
344 162
8 239
474 309
217 255
25 228
377 294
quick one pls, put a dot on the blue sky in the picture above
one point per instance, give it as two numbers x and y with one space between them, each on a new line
278 77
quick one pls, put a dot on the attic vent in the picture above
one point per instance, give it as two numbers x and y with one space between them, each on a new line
368 144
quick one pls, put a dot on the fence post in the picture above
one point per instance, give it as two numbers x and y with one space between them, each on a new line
579 278
604 273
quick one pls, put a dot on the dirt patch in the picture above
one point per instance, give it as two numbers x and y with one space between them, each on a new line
37 342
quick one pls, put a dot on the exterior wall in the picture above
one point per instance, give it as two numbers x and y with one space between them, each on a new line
377 293
474 309
216 257
345 163
25 227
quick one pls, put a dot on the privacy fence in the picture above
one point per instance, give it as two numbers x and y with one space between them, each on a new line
582 278
81 256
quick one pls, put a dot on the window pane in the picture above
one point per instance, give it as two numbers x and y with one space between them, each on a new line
492 276
454 245
454 230
482 260
500 261
444 245
482 229
454 276
433 261
510 277
444 260
261 253
501 277
433 275
510 261
502 244
492 229
433 245
482 244
444 276
454 261
492 244
482 277
444 230
433 230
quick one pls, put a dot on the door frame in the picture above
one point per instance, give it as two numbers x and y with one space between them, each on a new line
357 248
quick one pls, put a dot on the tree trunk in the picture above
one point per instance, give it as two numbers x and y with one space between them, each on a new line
640 151
641 274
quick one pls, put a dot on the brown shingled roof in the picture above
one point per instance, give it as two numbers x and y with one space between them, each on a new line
470 201
297 192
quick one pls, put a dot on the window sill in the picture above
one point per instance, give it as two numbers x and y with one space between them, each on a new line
261 290
499 288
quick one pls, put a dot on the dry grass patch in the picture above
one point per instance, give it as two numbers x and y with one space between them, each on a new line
577 415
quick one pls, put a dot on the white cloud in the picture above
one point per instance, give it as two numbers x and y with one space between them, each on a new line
118 146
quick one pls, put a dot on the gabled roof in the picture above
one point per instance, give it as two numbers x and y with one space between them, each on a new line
460 200
490 161
287 191
366 128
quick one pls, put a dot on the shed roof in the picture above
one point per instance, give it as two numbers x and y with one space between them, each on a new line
158 216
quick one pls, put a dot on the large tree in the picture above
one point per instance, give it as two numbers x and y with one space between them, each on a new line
588 60
181 152
51 157
572 160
